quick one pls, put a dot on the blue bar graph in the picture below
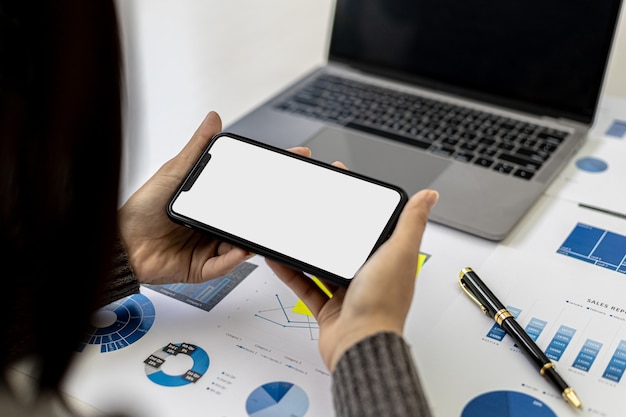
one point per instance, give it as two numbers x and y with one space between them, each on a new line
587 355
535 327
496 332
207 294
559 342
597 246
611 369
615 369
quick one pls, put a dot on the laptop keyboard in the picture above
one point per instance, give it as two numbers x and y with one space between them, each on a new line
506 145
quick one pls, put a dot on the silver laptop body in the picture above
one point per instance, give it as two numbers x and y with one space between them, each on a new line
483 101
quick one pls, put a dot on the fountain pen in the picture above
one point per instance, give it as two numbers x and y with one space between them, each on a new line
476 289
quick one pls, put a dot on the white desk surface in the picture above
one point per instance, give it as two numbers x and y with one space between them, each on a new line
184 58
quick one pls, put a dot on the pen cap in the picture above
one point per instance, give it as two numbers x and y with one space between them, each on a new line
481 292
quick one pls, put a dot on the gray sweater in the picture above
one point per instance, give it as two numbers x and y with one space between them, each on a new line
377 377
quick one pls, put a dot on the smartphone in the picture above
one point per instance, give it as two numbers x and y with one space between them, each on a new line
307 214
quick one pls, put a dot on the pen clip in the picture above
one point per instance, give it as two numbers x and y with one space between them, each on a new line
469 293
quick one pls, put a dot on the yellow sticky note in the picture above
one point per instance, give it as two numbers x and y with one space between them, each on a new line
420 261
301 308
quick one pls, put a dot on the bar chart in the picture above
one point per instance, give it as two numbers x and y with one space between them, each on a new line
583 351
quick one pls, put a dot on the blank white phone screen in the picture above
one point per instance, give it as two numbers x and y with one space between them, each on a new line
312 214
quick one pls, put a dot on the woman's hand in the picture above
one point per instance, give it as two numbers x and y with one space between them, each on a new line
379 297
161 251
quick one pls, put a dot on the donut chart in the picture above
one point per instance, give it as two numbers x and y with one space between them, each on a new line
121 323
154 364
277 399
506 404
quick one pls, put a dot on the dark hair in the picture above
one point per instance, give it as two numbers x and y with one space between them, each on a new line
60 132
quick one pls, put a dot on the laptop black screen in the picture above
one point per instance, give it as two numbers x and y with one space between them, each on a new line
544 56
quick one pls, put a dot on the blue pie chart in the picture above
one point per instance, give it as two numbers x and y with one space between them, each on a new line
506 404
154 362
120 324
277 399
591 164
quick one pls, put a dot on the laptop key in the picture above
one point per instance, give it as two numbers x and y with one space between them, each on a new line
555 137
523 174
533 155
484 162
503 168
442 150
522 162
389 135
464 156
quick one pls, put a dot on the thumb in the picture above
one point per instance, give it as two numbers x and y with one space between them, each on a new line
413 219
210 126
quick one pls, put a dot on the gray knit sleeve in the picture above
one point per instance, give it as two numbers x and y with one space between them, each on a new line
377 377
122 281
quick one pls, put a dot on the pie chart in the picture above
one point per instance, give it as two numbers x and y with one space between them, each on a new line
277 399
120 324
590 164
154 364
506 404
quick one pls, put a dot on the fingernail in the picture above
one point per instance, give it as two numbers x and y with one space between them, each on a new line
431 198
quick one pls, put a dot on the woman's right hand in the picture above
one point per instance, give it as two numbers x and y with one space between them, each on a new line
379 297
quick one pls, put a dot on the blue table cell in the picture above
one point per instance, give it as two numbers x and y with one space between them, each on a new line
611 249
583 239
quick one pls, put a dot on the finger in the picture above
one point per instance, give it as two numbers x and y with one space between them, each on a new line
304 288
412 222
339 164
225 247
301 150
210 126
221 265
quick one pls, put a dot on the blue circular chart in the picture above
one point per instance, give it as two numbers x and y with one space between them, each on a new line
120 323
506 404
277 399
154 363
590 164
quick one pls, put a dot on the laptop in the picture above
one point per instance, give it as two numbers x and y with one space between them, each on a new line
484 101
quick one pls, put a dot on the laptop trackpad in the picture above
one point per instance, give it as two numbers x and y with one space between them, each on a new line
385 160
